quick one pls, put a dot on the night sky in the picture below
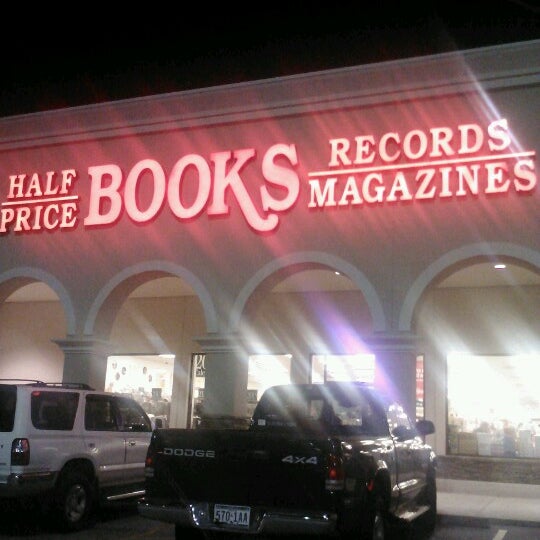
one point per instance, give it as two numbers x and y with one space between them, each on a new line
104 53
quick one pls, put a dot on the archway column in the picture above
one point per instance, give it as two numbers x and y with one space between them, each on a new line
395 367
226 375
85 360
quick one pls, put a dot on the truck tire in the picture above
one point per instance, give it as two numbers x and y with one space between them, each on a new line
375 526
429 497
74 500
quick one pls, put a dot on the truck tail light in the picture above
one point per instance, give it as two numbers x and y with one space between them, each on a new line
335 473
20 452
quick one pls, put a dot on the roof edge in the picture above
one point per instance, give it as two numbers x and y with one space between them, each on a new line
494 67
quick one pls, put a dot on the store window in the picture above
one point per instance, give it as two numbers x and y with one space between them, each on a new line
198 372
264 370
148 378
342 367
494 405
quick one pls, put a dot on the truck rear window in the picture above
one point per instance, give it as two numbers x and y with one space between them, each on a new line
8 400
339 409
54 410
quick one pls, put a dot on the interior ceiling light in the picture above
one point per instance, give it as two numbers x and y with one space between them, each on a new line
500 266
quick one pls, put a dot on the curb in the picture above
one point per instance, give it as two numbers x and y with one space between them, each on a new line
483 522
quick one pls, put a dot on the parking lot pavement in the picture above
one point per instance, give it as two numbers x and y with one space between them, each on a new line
458 503
116 521
123 521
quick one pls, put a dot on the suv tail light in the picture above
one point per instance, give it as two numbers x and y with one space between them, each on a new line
149 462
20 452
335 473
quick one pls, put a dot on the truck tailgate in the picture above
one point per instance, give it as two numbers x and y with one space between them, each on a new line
238 467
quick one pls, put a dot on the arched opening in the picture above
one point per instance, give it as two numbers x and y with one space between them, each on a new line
479 334
31 317
152 346
305 322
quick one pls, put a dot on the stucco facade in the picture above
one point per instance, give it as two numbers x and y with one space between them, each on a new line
394 174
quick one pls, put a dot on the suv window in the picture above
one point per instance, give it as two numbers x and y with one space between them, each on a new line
114 413
8 399
53 410
100 414
133 417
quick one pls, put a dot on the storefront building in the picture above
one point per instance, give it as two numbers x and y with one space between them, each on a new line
193 248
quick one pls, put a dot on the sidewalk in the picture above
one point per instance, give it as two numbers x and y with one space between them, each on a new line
488 500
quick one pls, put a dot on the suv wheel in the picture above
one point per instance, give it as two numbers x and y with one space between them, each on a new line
74 500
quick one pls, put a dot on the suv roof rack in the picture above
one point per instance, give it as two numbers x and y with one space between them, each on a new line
15 380
77 386
37 382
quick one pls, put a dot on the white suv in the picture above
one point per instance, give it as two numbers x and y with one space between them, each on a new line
72 444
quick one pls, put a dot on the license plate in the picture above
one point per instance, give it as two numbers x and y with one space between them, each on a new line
237 516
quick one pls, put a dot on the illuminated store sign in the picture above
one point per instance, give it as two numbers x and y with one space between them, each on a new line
439 163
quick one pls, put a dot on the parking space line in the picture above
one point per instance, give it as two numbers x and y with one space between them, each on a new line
501 533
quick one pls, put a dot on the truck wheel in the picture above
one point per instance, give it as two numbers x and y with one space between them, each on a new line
379 526
74 500
429 497
375 526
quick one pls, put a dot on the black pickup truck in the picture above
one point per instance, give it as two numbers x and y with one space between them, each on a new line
334 459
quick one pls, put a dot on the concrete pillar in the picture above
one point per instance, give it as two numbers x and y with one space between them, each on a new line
85 361
301 366
226 376
395 367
